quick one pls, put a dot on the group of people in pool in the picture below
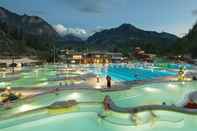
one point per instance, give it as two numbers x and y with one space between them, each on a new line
108 79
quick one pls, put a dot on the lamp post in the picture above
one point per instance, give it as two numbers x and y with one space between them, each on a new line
13 64
54 53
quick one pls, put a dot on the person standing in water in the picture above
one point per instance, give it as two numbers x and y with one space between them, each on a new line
97 79
108 78
106 103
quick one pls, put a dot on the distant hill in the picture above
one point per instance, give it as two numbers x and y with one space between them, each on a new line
71 41
127 36
71 38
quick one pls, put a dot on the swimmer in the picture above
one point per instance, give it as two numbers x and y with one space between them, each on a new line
102 116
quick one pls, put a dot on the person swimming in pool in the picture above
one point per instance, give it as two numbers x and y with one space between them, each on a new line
136 76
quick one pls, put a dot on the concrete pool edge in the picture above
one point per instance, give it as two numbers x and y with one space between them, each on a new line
144 108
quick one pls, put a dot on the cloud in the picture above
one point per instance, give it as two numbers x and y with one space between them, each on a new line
65 31
87 6
81 33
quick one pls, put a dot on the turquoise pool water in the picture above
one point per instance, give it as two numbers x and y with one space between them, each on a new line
130 73
86 117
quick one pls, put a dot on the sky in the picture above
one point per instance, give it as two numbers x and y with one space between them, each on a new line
84 17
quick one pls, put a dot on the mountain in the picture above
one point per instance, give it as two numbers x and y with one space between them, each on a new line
188 44
23 35
71 38
32 34
126 36
29 25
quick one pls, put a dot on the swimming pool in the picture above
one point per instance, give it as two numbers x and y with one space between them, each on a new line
130 72
53 75
86 116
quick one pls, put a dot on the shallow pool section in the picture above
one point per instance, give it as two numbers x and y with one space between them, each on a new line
36 77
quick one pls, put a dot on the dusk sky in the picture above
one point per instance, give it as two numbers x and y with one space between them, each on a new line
86 16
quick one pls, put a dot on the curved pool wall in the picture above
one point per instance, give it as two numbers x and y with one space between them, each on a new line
144 108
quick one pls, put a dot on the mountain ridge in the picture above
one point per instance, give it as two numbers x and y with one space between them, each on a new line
128 36
32 35
25 35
